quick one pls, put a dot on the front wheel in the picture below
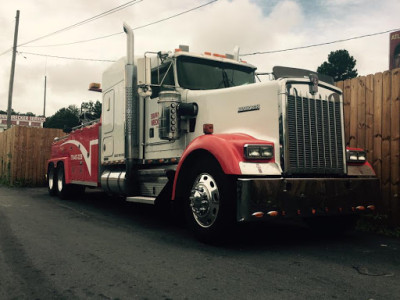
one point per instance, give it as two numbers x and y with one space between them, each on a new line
210 201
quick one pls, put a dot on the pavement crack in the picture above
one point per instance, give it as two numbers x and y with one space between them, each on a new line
365 271
74 210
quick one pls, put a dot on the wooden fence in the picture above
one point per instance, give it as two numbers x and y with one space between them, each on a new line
372 122
23 154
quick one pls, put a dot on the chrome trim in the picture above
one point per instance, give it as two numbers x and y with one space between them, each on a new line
318 146
131 111
252 168
290 196
141 199
114 182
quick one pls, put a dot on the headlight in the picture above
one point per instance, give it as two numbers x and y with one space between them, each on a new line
356 156
258 151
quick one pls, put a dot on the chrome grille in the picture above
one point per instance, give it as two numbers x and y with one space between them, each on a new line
314 135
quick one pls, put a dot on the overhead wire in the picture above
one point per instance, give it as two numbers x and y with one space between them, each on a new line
320 44
135 28
65 57
9 49
6 51
101 15
257 53
139 27
179 14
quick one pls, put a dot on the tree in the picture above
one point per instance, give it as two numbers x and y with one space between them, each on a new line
90 110
66 117
13 112
340 66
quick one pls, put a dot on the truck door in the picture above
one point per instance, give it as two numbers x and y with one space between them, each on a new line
162 78
108 125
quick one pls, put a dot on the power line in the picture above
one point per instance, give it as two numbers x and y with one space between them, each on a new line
321 44
106 60
77 42
9 49
174 16
5 52
64 57
136 28
247 54
103 14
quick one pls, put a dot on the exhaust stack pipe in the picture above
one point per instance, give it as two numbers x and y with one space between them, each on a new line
131 113
129 43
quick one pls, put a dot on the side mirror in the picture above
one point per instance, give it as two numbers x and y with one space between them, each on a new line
144 71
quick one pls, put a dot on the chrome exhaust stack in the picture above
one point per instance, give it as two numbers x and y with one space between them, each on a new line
131 112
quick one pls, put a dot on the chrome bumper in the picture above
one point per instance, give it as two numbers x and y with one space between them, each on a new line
260 198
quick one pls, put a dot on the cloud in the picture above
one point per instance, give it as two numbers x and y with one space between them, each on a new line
254 25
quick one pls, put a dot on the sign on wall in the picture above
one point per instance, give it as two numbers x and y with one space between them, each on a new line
394 50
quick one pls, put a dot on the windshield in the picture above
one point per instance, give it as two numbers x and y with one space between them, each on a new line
203 74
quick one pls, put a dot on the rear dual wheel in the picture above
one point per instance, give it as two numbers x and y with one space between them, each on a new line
63 189
51 181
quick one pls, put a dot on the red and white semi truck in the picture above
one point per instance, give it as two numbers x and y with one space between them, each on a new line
201 132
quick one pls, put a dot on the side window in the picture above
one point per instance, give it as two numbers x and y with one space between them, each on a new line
160 77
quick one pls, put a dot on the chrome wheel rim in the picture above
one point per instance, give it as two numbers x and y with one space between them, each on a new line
205 200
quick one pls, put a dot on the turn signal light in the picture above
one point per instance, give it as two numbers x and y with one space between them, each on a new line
258 214
219 55
272 213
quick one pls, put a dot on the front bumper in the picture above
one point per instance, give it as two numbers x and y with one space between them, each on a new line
260 198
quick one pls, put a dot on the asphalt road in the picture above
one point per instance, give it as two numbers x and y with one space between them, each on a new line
97 248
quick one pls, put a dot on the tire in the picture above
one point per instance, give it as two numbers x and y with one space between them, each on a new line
51 181
332 225
63 190
209 202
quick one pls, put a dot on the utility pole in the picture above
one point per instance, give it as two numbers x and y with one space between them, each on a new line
10 89
44 105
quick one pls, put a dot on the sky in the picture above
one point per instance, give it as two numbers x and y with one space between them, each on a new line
219 26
